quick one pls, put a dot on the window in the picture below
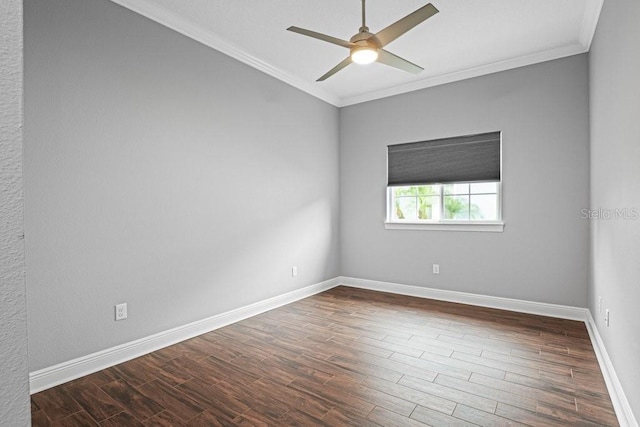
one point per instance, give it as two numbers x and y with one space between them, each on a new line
451 183
469 201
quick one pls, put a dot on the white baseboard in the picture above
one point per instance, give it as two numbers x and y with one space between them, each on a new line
76 368
521 306
618 398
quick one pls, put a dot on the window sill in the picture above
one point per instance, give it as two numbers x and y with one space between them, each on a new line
491 227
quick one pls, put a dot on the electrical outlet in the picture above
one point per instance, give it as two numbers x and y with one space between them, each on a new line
606 317
121 311
599 304
436 268
294 271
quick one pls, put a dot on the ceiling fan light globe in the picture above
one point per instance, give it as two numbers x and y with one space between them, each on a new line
365 55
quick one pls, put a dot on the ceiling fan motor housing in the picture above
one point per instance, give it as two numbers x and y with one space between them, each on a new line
364 40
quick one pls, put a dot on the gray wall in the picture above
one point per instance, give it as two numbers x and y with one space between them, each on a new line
615 173
542 255
161 173
14 374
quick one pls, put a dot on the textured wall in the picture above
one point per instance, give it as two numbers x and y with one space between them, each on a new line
615 173
164 174
542 254
14 384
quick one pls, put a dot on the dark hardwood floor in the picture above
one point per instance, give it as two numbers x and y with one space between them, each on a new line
352 357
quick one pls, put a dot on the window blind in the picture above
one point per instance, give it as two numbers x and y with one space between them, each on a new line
459 159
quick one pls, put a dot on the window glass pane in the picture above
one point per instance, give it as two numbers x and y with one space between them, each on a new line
456 207
405 191
406 208
428 190
484 187
484 207
429 207
456 188
462 201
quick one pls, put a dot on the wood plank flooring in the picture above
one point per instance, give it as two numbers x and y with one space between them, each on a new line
352 357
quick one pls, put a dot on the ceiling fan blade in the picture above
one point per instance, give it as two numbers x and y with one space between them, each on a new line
392 60
335 69
400 27
321 36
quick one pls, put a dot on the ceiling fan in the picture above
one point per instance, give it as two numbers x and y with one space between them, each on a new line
366 47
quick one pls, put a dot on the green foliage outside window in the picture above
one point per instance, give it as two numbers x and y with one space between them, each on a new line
425 199
424 194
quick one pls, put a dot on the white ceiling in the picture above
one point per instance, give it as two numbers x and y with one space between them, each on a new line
467 38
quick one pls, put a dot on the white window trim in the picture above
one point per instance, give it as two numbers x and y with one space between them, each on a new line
494 227
482 226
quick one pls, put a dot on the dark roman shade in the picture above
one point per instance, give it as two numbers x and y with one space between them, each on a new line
471 158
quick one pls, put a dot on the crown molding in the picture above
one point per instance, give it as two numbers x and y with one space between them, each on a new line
198 33
590 22
495 67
